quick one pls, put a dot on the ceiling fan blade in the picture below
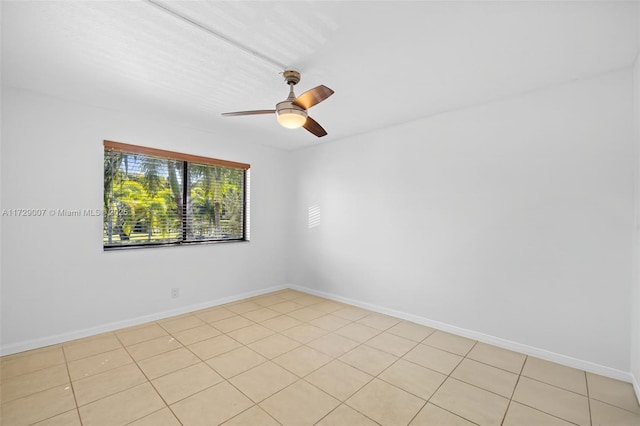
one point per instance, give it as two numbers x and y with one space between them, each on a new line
256 112
313 97
313 126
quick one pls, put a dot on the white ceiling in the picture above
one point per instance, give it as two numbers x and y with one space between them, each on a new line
388 61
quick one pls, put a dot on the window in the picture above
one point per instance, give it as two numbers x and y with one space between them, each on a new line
154 197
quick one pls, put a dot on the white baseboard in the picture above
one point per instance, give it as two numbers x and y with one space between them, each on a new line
79 334
485 338
636 387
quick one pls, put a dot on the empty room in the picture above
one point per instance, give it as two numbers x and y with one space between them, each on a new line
320 213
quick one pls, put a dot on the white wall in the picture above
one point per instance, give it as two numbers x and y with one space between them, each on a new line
635 299
57 282
511 219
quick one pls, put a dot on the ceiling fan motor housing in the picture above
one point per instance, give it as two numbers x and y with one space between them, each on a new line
291 77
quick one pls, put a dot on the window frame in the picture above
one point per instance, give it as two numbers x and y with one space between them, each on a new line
186 159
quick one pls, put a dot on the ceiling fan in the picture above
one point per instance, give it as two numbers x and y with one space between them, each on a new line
292 112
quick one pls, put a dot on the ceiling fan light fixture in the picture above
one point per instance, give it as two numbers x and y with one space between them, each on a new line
291 118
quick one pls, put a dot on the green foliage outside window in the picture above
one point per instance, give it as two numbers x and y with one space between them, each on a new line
151 200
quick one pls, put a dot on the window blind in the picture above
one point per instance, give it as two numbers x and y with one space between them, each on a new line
157 197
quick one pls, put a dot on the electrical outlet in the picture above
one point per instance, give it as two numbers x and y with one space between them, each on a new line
175 293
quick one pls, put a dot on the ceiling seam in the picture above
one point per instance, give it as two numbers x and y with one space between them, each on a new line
277 65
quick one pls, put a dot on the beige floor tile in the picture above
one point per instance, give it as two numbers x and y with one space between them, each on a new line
232 323
328 306
558 402
351 313
472 403
167 362
250 334
268 300
305 314
309 300
122 408
379 321
290 294
339 379
498 357
107 374
179 324
250 299
236 361
38 406
432 415
333 345
358 332
30 383
80 340
29 362
285 307
98 363
70 418
609 415
89 347
254 416
212 406
214 314
138 335
214 346
413 378
94 337
31 352
369 360
345 415
281 323
304 333
260 315
196 334
555 374
486 377
435 359
302 360
411 331
449 342
243 307
391 343
98 386
274 345
162 417
185 382
263 381
130 328
613 392
521 415
300 404
329 322
172 318
386 404
153 347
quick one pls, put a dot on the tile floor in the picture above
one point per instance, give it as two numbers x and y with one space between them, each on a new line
295 359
